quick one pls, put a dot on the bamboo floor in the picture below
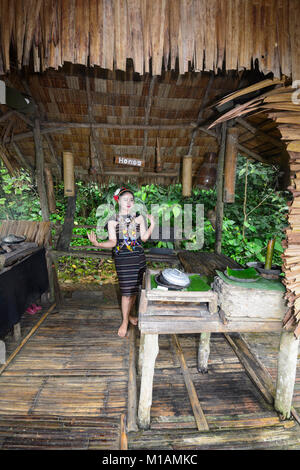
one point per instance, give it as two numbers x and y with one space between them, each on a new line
67 389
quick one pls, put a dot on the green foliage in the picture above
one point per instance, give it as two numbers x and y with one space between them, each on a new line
18 196
243 238
266 210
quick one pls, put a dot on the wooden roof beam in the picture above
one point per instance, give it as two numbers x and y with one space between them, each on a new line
120 172
169 174
8 129
101 125
29 134
259 133
48 139
24 118
256 156
6 161
6 115
64 128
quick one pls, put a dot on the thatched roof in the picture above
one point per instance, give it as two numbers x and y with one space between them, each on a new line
206 35
151 72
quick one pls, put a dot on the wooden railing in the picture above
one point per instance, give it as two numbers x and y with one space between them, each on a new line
90 251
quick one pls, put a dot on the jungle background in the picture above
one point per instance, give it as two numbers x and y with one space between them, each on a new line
257 215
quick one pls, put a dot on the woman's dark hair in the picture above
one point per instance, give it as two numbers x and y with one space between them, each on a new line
125 190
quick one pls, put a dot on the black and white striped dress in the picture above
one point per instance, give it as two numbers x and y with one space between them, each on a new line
130 265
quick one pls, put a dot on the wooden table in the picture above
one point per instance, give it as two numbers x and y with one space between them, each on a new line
176 312
20 284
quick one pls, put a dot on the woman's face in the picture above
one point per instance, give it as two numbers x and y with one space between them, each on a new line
126 202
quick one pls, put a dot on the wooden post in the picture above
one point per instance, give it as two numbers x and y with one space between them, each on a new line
150 354
65 236
39 158
132 391
230 164
203 352
50 189
219 185
286 372
141 353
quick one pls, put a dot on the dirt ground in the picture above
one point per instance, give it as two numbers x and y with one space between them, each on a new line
111 292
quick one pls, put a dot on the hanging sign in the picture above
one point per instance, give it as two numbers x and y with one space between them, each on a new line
129 161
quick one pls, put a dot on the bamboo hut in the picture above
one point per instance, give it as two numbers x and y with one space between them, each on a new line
135 90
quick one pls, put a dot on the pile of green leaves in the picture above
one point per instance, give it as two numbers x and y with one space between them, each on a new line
86 270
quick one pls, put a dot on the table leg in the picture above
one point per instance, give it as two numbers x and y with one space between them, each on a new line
149 356
286 372
17 332
2 352
141 353
203 352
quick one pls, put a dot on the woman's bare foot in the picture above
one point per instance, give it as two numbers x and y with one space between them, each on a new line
123 329
133 320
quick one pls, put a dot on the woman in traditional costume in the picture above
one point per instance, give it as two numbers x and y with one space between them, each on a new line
126 233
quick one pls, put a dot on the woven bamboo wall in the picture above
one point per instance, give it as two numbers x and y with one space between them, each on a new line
107 32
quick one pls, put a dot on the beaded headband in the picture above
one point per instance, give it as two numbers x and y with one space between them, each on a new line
120 191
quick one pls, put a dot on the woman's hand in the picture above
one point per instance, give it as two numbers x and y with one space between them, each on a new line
151 218
93 239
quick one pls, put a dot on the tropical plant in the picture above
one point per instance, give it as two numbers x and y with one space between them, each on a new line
258 213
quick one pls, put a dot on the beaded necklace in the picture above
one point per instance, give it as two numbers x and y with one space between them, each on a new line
127 226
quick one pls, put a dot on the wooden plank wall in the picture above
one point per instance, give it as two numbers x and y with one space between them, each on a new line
37 232
106 33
